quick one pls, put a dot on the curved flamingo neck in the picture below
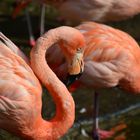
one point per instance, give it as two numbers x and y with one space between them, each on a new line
65 113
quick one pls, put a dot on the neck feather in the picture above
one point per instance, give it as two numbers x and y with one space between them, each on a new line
65 108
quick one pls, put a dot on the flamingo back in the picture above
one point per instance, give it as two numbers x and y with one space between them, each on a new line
20 91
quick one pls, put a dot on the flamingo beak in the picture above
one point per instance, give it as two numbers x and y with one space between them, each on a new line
75 68
71 79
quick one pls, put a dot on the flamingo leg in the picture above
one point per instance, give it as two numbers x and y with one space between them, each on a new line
95 117
42 20
97 132
31 36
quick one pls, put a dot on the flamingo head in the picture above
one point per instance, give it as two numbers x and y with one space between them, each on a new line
75 67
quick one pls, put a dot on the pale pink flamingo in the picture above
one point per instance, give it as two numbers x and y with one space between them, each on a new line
93 10
112 58
77 11
20 90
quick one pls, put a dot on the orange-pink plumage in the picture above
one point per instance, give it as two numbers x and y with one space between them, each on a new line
76 11
110 56
20 90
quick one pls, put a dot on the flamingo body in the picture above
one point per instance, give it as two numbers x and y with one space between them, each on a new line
98 10
111 58
20 96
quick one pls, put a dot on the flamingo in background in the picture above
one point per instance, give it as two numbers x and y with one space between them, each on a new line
20 96
93 10
76 11
111 57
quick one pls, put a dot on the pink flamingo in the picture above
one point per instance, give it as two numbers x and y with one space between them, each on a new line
111 57
75 11
93 10
97 10
20 96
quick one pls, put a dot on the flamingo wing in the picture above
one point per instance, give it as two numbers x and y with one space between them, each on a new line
20 91
8 43
98 10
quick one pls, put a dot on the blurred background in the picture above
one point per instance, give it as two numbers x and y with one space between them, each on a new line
116 108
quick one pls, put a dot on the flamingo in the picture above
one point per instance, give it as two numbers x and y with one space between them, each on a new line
111 57
77 11
93 10
20 96
97 10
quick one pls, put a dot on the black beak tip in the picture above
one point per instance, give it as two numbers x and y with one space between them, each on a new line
71 79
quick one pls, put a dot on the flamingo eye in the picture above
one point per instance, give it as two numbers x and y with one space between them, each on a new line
79 49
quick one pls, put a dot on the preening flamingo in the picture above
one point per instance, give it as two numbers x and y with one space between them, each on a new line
20 96
111 57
